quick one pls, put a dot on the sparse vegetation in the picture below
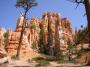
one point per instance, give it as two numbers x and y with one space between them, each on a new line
33 26
14 57
33 46
81 36
6 40
42 44
41 61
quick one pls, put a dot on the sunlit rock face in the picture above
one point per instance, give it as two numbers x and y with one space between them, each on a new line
84 58
66 26
14 37
59 29
19 23
66 34
2 32
34 32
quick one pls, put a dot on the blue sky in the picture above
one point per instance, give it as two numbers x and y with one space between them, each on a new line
9 13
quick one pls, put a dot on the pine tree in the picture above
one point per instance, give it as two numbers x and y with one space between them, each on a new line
26 5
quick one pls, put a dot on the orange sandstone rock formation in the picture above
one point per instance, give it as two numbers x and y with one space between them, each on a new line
61 33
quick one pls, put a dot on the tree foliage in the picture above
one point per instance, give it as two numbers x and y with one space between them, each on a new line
42 43
6 40
81 36
26 4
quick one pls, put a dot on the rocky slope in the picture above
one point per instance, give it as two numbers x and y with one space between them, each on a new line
57 32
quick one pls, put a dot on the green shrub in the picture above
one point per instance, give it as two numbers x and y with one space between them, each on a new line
60 61
33 26
41 61
33 46
51 58
14 57
6 40
62 58
81 52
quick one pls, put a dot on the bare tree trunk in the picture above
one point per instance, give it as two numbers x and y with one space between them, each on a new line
20 41
87 7
21 36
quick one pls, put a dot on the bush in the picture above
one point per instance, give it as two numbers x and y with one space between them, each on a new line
51 58
33 26
33 46
14 57
6 40
41 61
81 52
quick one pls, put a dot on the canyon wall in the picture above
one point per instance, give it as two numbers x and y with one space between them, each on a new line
52 30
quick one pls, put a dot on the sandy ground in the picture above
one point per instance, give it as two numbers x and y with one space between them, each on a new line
33 65
32 54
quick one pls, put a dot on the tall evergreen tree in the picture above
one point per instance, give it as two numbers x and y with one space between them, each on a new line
26 5
42 44
50 40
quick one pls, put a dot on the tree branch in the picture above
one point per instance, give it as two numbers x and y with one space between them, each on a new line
76 1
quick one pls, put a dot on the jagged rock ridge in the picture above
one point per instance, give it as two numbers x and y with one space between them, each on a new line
61 32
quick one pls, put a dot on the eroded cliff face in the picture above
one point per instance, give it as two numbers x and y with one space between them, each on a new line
56 32
34 32
2 32
51 30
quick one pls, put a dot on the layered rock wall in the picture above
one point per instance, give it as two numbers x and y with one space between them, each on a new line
57 32
2 32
